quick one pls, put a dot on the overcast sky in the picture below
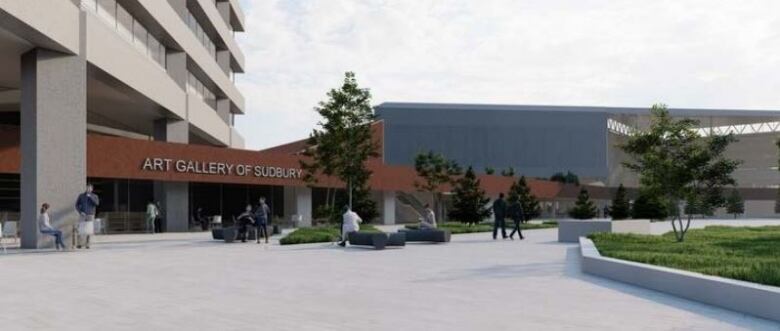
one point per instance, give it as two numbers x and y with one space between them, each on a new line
700 54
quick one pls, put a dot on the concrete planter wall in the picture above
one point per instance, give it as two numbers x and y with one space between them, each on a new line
571 230
744 297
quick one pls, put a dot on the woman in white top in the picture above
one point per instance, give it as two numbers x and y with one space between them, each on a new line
46 228
429 219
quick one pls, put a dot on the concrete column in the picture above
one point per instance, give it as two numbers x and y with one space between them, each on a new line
176 66
223 110
53 141
297 201
223 59
174 197
388 207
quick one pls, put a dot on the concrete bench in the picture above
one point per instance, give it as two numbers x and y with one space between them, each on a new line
379 240
427 235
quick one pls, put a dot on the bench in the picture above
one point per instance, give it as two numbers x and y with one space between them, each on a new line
427 235
379 240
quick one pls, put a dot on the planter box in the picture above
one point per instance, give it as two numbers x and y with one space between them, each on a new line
744 297
570 231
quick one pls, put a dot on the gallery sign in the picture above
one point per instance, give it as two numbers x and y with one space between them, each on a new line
219 168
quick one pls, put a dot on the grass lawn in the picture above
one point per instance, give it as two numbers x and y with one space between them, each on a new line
745 253
460 228
319 234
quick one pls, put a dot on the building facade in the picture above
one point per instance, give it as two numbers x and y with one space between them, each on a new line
154 70
539 141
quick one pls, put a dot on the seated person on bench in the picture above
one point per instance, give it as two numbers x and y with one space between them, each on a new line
243 221
428 222
350 223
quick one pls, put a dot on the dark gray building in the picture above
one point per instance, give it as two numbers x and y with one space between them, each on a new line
539 141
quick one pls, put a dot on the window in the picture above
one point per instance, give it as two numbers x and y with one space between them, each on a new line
106 10
124 23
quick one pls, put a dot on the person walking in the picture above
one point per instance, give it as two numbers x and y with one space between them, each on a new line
86 205
151 214
515 212
350 223
262 212
159 219
429 218
46 228
499 214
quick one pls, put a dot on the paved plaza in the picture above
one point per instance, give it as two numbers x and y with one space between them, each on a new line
189 282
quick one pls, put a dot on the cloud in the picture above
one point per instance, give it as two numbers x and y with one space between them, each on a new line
704 54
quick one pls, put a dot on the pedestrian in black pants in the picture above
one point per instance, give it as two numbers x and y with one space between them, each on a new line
515 211
262 213
499 214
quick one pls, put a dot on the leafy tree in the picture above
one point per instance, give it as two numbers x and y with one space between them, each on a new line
435 170
567 178
620 208
584 209
509 172
522 193
469 203
734 204
362 204
678 165
342 142
649 206
490 170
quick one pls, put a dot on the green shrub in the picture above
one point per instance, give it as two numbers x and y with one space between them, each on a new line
743 253
320 234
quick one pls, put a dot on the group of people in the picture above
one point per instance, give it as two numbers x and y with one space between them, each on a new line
86 205
256 216
501 211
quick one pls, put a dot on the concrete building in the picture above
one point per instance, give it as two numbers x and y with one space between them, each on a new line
539 141
159 70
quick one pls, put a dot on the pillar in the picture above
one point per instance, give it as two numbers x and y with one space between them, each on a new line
297 202
174 197
53 141
388 207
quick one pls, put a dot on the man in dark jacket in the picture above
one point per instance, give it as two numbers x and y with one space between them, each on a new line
499 214
262 212
86 205
517 215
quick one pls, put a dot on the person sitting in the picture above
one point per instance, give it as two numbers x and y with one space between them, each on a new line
428 221
46 227
244 221
350 223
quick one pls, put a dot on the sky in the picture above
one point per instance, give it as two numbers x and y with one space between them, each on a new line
685 53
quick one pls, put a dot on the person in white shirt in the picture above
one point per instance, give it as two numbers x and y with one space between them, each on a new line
350 223
46 228
429 218
151 214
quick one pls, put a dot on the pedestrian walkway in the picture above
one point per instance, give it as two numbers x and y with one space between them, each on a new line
189 282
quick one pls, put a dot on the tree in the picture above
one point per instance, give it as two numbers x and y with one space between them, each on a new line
469 203
568 178
649 206
584 209
734 204
678 165
520 192
343 141
489 171
436 171
509 172
620 208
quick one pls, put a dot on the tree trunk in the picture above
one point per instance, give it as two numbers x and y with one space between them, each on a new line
349 187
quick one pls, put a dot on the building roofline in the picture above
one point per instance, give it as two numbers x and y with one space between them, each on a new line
698 112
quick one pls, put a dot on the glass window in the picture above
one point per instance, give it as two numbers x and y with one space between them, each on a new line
124 22
107 11
139 36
